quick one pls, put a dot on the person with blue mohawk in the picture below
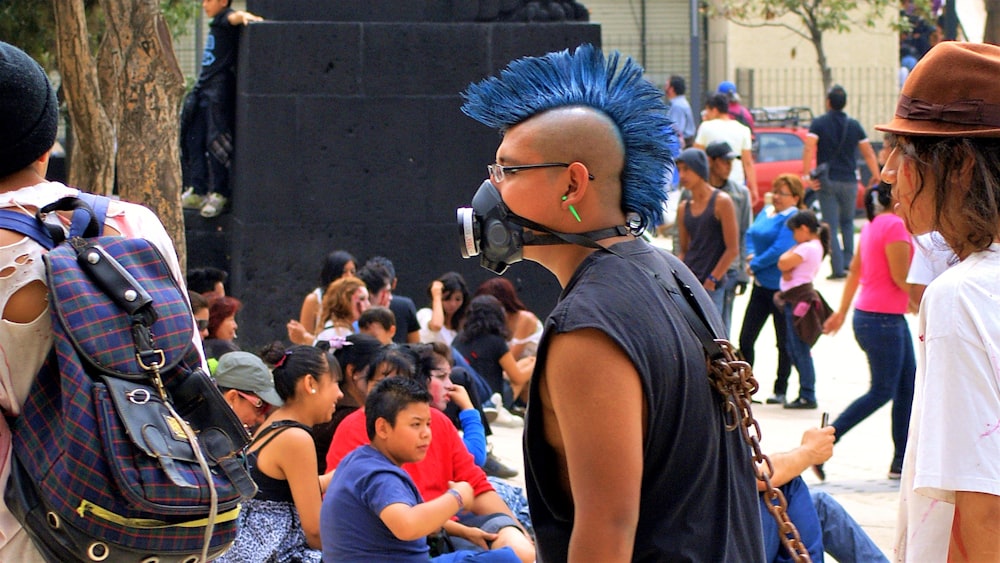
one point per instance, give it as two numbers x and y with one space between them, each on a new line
626 454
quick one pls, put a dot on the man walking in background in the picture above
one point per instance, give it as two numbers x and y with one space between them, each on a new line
720 163
680 111
831 141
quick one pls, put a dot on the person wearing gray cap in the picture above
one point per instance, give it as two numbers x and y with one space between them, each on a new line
720 163
707 228
29 115
247 386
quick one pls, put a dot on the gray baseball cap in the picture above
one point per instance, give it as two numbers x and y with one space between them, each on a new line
246 372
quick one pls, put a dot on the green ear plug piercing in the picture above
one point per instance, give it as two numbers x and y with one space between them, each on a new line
573 210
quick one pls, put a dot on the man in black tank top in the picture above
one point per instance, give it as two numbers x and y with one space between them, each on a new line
626 455
708 230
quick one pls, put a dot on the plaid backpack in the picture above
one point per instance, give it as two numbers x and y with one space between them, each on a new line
125 449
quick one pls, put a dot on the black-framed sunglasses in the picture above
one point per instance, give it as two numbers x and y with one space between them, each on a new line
202 324
498 171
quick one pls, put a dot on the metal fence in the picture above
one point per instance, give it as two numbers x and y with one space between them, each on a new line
663 55
871 92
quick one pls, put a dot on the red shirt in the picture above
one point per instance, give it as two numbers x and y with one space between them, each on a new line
447 458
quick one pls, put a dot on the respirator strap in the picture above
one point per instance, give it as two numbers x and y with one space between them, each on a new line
587 239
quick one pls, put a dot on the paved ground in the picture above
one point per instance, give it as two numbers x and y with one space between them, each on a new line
856 475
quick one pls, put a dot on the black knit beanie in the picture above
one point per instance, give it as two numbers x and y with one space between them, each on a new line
29 112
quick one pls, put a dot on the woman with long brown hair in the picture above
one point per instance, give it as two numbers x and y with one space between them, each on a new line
945 177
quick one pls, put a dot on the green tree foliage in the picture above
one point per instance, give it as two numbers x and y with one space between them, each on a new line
30 24
811 19
122 88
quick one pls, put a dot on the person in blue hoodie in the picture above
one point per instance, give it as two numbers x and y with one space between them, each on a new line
766 239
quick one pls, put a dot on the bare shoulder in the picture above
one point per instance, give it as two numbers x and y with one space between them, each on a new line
8 238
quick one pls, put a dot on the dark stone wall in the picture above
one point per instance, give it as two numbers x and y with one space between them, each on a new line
420 10
349 136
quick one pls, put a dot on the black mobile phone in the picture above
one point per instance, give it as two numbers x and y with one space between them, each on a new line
825 420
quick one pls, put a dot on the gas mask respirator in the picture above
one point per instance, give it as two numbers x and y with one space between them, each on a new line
490 230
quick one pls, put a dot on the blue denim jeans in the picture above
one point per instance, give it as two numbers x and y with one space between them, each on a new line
885 339
803 515
837 201
502 555
843 537
722 297
801 356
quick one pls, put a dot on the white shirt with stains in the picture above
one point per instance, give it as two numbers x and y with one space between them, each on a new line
954 440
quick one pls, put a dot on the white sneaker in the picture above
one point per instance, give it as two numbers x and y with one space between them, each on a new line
508 420
491 414
214 204
191 200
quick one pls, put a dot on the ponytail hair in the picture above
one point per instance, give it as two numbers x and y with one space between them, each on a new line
824 238
877 200
292 364
808 219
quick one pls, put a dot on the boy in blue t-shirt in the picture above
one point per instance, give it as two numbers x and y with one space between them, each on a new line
372 509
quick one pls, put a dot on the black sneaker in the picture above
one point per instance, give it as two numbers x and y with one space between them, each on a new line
494 468
801 403
775 400
895 472
836 276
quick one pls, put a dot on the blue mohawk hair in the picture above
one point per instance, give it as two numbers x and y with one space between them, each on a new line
532 85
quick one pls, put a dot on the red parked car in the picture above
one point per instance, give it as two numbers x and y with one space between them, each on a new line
779 138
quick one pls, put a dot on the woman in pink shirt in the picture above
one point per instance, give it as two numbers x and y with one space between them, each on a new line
879 326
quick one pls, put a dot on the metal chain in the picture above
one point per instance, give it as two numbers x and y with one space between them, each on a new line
732 377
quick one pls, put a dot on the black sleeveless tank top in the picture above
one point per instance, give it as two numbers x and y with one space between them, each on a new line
269 488
699 496
707 243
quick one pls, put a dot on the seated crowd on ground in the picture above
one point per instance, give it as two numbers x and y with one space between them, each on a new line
306 403
472 363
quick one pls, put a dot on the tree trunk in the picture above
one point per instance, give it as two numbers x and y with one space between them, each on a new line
992 32
92 159
150 87
824 68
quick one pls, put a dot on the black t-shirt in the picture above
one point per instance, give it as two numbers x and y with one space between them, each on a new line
406 317
219 58
829 127
215 348
483 354
699 497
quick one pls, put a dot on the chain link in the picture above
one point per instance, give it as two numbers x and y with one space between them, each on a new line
732 377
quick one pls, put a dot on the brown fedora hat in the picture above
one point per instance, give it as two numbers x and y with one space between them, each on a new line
954 91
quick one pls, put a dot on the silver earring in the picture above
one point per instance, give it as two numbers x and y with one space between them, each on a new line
313 391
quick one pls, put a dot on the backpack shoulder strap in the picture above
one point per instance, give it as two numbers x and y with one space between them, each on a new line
27 226
98 205
94 210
